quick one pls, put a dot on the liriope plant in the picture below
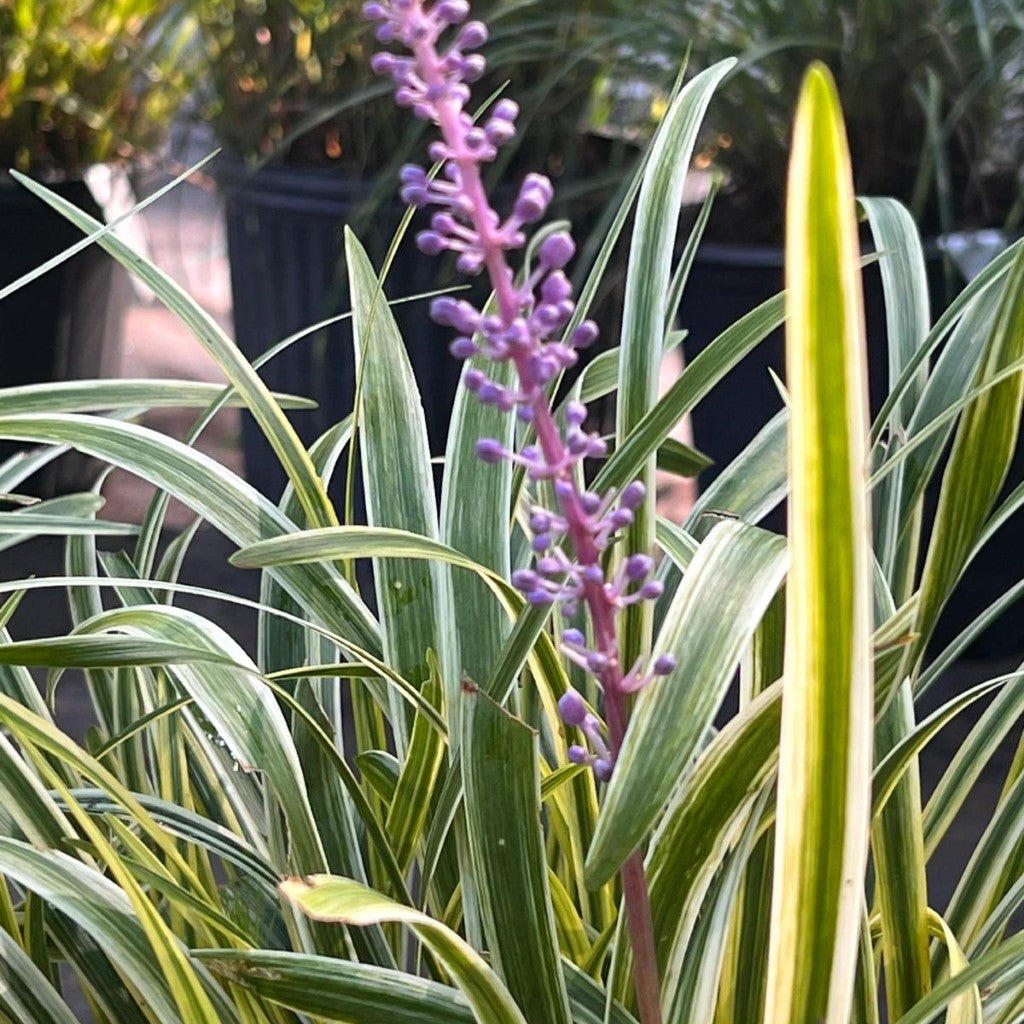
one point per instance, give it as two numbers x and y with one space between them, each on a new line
482 795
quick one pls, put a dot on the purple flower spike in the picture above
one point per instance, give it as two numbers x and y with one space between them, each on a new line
528 327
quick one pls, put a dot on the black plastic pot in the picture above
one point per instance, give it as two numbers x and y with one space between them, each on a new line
726 282
729 281
286 248
63 325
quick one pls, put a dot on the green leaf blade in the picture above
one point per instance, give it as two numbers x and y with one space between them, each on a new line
327 898
825 747
412 595
502 799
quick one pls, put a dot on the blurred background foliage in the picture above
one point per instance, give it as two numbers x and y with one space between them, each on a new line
91 81
932 93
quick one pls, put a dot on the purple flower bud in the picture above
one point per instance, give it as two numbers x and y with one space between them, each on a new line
538 598
463 348
562 353
525 580
578 754
382 63
651 591
573 638
431 243
572 708
475 138
584 335
556 250
452 12
597 448
602 769
556 288
505 110
540 521
619 518
593 574
464 318
414 195
549 317
596 662
664 665
470 263
474 380
412 173
490 393
530 206
534 196
473 66
499 132
638 566
633 495
540 182
472 35
541 542
375 11
564 490
518 335
490 450
577 443
540 369
444 223
575 413
550 566
590 501
442 310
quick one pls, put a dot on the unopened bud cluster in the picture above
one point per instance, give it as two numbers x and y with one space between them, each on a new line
529 330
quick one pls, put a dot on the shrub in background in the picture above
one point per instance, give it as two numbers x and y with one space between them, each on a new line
931 93
93 82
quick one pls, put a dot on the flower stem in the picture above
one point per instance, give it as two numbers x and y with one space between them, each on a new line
635 893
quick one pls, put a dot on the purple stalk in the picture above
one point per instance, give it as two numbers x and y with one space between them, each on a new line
527 330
